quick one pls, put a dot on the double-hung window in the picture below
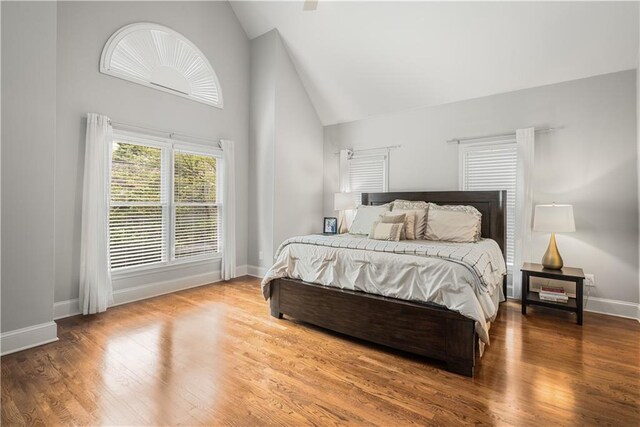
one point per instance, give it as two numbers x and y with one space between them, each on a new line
368 173
165 202
493 166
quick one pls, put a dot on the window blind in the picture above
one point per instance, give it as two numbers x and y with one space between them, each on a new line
196 211
137 217
493 167
164 204
367 174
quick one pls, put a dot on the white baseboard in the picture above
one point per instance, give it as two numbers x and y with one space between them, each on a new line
32 336
68 308
241 270
258 272
612 307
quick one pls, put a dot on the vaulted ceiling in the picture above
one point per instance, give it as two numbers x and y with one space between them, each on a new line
360 59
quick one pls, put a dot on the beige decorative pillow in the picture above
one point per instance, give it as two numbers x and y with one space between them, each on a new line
390 218
409 204
409 229
420 217
465 208
386 231
453 223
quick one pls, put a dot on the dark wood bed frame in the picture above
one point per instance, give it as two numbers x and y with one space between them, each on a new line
421 328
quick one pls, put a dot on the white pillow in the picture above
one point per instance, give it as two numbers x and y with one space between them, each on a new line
365 217
453 225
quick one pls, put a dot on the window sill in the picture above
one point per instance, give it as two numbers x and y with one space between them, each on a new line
162 267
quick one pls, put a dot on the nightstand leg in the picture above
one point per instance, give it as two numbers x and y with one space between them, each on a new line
525 290
579 299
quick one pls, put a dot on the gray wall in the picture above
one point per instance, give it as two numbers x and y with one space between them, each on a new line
298 155
262 149
286 172
590 162
83 29
28 145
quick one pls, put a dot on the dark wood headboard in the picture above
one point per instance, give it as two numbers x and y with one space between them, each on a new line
491 204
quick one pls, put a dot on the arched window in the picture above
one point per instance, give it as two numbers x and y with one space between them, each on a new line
158 57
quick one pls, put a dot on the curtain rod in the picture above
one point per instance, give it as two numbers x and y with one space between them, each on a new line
169 134
388 147
504 135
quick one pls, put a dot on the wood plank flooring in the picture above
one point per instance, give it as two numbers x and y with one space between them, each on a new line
214 356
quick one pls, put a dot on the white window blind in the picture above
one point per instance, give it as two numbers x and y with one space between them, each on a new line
196 211
367 174
137 217
492 167
164 203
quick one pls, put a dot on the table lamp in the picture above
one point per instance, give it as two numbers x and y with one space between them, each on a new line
343 202
553 219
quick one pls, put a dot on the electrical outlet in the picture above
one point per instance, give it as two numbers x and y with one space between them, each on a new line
589 280
260 255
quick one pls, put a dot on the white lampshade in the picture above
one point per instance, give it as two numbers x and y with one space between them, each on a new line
554 218
344 201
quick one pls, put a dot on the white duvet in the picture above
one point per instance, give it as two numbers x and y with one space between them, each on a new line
463 277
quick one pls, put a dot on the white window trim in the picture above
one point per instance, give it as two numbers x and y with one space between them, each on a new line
158 268
163 142
462 150
170 144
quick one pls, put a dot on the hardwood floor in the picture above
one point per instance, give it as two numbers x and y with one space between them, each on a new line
213 355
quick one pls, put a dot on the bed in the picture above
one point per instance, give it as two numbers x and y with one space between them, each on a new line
399 321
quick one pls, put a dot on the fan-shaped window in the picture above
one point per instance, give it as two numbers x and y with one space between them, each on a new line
157 56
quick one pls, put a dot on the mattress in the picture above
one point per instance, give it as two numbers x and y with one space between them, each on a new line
463 277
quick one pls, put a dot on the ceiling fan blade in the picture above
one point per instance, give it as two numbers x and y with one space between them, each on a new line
310 5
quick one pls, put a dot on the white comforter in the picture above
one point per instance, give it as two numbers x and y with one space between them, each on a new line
463 277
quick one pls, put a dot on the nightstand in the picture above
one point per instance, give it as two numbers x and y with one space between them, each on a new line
567 274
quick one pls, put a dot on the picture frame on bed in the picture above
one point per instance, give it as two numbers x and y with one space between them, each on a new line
330 225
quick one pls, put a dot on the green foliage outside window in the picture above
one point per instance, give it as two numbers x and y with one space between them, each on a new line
138 231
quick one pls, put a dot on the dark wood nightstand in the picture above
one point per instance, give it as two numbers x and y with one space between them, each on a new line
567 274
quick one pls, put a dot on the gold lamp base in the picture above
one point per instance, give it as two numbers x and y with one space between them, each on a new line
552 258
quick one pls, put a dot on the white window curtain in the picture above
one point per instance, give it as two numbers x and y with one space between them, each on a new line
95 279
228 211
345 155
344 217
524 204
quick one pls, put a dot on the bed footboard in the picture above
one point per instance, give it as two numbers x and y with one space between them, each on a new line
421 329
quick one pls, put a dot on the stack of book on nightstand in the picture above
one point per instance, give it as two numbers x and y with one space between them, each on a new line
555 294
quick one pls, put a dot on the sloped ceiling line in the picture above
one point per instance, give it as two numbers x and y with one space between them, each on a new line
361 59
